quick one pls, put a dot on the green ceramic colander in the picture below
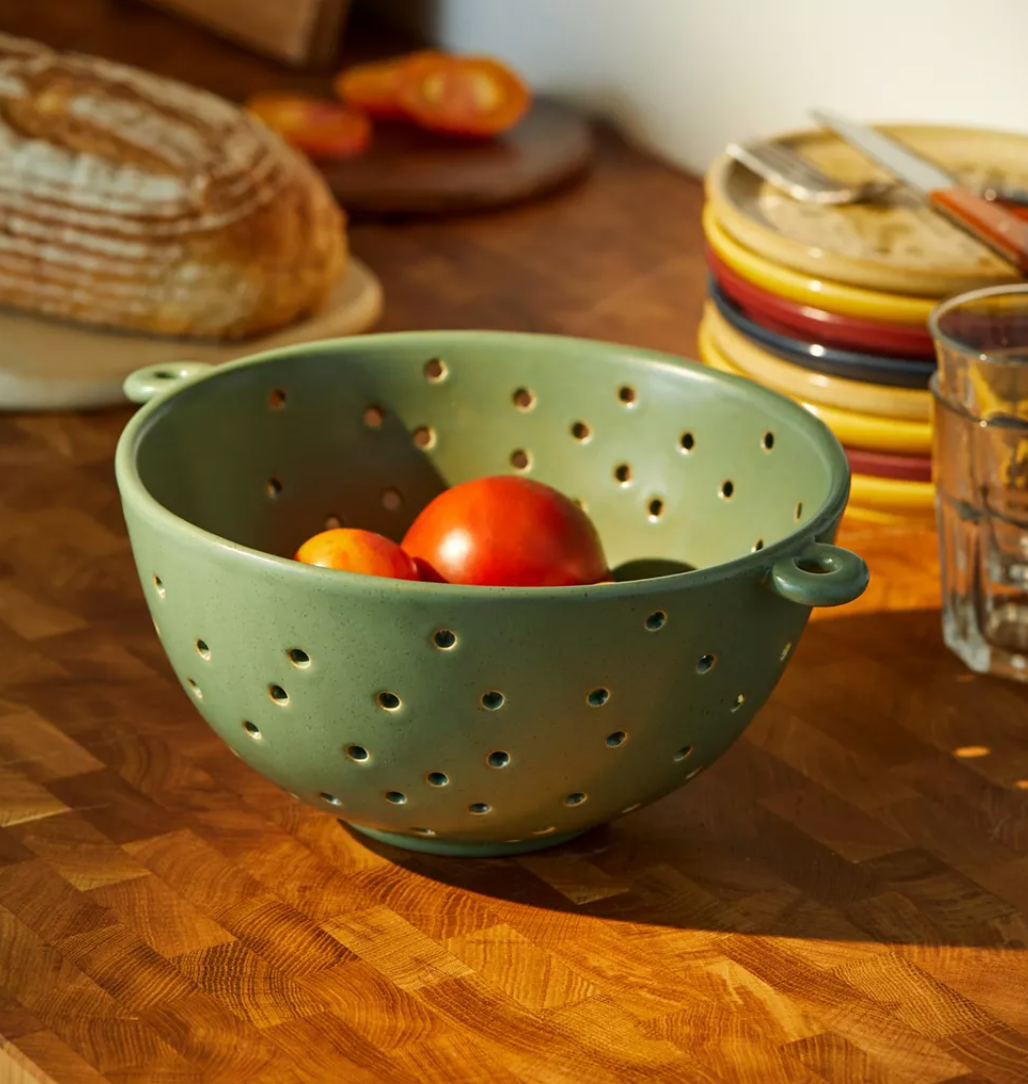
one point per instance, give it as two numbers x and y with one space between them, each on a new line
470 720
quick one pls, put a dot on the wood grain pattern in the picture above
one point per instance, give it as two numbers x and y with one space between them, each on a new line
842 900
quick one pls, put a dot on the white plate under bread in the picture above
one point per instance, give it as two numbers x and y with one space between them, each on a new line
58 365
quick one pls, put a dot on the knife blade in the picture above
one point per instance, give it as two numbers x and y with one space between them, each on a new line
994 225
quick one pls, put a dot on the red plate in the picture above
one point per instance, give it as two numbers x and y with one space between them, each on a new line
906 468
817 325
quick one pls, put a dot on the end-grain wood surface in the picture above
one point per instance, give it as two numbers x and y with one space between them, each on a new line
841 900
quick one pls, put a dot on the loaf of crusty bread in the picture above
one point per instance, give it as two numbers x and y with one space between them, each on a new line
132 201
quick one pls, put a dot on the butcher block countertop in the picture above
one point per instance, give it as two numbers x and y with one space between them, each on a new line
841 900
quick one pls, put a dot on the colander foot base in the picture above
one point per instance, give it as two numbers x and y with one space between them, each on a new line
466 850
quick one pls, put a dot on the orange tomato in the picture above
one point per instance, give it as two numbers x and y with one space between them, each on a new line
374 87
470 96
506 531
317 126
351 550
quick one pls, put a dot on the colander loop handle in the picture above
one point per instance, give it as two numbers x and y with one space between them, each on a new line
821 575
146 384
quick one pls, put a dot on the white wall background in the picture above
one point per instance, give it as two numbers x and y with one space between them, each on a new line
684 77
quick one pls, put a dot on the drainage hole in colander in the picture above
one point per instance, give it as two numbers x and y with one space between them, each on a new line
330 798
739 701
727 490
682 753
203 650
479 808
424 437
196 690
389 701
619 737
695 772
631 808
396 797
278 695
798 513
357 753
277 399
523 399
627 395
655 509
391 499
545 831
499 758
575 798
299 658
159 586
493 700
598 697
656 620
444 639
520 459
273 486
423 831
623 474
706 664
785 652
374 416
437 779
767 441
581 431
758 545
333 522
253 730
435 370
687 442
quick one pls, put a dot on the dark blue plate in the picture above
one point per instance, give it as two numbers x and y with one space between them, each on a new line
870 368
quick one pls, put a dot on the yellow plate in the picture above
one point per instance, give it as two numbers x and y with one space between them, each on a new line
855 430
891 519
895 244
892 495
821 293
831 391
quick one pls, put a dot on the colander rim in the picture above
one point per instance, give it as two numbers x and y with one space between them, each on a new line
133 490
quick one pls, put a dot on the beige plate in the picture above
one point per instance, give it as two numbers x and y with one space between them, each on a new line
898 245
52 365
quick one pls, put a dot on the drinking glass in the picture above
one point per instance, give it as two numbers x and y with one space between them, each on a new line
980 468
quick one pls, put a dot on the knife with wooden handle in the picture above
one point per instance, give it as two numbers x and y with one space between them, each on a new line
996 226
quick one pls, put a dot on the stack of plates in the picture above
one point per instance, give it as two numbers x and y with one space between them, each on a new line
829 304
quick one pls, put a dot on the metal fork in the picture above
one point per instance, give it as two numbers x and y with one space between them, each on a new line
789 171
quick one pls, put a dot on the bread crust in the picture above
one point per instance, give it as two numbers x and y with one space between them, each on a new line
132 201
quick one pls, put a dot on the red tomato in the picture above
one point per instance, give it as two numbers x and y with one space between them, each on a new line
472 96
374 87
351 550
317 126
506 532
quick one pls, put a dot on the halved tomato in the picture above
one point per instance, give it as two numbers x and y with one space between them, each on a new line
472 96
317 126
374 87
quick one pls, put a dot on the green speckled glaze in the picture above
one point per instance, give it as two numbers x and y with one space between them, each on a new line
376 699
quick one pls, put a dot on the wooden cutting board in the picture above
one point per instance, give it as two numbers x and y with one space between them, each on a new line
55 365
409 171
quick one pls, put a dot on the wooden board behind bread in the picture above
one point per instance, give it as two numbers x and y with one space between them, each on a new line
299 32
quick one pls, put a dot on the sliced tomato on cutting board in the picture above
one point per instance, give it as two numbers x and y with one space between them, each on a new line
468 96
317 126
374 87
